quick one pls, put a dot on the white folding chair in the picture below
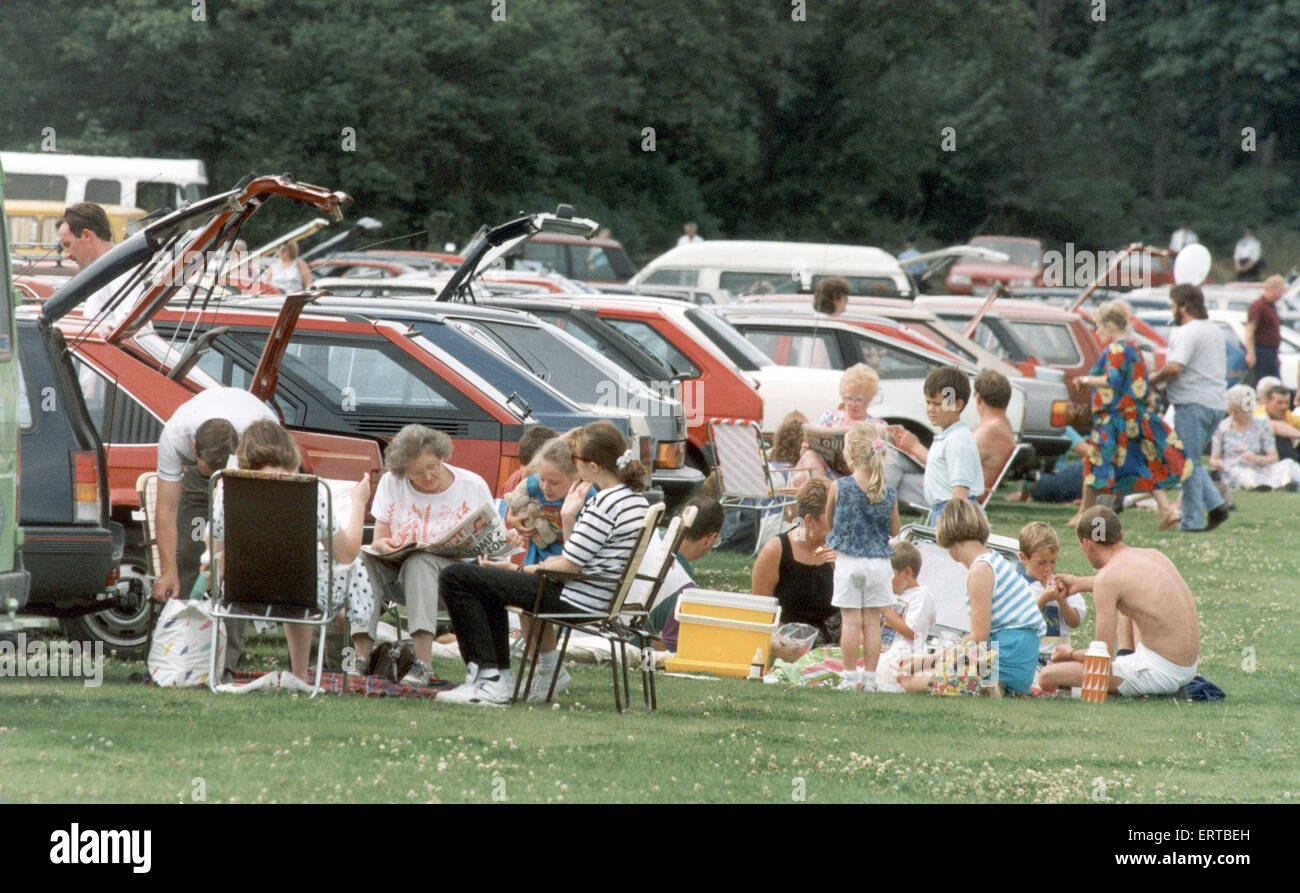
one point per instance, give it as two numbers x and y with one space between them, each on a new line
744 477
1021 450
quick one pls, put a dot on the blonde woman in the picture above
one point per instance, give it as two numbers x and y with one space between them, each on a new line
1131 449
864 510
858 387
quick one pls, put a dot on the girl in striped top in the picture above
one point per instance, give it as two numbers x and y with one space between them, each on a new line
604 533
1003 611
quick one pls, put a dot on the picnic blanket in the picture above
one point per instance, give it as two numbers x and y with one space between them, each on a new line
369 686
816 667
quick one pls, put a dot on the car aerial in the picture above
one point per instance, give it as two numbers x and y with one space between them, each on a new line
902 363
1045 398
1024 266
726 269
129 389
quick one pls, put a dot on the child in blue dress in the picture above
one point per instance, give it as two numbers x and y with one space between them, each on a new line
864 510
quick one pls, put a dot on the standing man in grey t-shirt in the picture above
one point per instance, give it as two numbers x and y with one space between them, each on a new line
1196 372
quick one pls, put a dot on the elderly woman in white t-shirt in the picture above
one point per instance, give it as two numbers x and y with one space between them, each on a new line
418 498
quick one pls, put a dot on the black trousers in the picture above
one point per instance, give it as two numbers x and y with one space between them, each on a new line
476 598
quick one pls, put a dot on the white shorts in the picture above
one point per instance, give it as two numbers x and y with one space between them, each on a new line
1146 673
863 582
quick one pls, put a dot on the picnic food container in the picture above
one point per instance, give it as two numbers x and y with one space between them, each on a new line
1096 673
720 631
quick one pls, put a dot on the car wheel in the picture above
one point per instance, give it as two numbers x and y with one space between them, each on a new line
123 630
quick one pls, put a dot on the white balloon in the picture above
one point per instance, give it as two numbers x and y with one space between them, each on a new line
1192 264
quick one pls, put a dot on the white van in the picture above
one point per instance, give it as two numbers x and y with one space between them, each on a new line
727 269
147 183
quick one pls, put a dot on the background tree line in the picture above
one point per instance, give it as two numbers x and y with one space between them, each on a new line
764 125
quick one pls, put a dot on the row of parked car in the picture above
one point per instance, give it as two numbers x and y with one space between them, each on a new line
456 342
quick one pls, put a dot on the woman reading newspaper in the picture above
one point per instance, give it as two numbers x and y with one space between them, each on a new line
604 534
428 515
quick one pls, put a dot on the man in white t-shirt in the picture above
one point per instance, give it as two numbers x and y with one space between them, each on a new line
196 441
1182 237
1246 258
690 235
86 236
1195 380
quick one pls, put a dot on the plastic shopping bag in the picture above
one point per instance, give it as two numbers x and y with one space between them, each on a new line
182 645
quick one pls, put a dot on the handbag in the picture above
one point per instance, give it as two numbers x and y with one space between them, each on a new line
182 644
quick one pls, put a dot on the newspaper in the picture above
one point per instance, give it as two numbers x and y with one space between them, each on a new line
829 444
481 532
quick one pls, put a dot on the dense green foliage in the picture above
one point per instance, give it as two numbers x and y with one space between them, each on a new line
789 119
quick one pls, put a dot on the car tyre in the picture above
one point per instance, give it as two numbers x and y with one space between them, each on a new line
124 631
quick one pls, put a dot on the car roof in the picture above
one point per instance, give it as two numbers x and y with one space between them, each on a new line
739 254
1002 306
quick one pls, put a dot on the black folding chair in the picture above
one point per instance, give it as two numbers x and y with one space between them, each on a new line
269 563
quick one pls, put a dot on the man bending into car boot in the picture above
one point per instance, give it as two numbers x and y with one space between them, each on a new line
197 441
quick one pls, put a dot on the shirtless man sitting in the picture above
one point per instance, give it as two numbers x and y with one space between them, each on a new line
994 435
1140 597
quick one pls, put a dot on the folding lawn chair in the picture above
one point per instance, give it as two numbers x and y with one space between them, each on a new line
744 476
269 565
1022 452
619 624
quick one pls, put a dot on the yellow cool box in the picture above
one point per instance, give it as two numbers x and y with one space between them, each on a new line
719 631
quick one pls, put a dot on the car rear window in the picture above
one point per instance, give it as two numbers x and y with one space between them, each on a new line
869 286
669 276
751 283
810 350
657 345
597 262
1052 343
361 376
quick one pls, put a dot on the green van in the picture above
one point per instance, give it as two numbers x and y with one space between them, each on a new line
13 579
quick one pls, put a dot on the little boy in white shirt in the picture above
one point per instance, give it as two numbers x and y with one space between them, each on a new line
909 621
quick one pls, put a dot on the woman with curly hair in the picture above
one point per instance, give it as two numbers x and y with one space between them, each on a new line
1131 449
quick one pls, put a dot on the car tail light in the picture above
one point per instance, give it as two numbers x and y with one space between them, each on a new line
1058 413
671 454
113 576
85 487
647 451
506 466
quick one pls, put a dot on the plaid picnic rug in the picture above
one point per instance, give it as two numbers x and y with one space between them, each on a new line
369 686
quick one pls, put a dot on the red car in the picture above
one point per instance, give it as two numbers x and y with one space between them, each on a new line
711 387
1026 334
1024 267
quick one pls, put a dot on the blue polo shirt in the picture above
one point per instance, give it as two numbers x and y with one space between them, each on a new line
954 461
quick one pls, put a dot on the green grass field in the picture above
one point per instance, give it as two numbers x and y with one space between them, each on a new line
714 741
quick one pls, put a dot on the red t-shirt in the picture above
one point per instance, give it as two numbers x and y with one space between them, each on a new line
1268 325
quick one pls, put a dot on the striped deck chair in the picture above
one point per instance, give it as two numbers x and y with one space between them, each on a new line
744 477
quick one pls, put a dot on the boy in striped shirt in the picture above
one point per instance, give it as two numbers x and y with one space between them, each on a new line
1003 611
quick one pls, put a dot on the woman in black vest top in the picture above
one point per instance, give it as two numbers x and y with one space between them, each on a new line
798 570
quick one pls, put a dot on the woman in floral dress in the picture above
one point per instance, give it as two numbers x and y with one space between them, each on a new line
1244 448
1131 449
